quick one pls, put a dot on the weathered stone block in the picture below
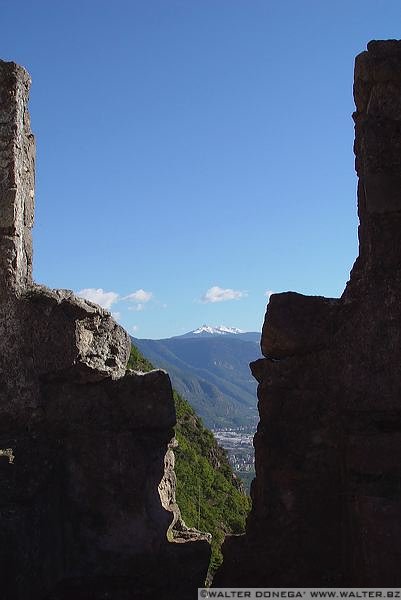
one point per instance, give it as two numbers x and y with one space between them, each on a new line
73 337
17 155
297 324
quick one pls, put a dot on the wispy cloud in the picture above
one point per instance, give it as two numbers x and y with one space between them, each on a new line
218 294
99 296
134 328
116 315
140 296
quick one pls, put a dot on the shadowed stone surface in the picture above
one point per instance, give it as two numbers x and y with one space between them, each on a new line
87 488
327 494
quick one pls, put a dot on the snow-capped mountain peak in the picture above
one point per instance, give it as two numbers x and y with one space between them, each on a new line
221 330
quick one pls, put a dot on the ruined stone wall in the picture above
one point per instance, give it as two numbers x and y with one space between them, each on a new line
17 155
327 494
82 445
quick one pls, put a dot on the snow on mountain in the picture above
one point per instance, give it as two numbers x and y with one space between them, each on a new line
221 330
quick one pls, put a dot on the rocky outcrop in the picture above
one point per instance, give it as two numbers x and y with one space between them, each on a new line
85 456
178 530
327 496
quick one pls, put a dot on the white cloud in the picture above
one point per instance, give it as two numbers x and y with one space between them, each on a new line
218 294
139 296
116 315
134 328
99 296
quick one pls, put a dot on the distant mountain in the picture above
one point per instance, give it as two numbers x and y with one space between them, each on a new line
209 331
210 368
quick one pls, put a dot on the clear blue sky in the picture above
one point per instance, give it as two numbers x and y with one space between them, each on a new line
193 154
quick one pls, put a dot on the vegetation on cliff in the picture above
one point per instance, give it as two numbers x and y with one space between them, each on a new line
210 496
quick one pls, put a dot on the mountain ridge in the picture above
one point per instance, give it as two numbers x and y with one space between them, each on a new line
219 330
211 370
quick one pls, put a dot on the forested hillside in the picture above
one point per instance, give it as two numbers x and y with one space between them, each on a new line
209 495
212 372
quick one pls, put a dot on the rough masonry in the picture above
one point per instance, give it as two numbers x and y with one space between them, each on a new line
327 494
86 468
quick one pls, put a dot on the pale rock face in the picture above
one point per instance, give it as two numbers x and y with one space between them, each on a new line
74 335
17 160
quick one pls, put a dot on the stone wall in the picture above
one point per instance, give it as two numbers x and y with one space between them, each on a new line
327 494
17 156
85 450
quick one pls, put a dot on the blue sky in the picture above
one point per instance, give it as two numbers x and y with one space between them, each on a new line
193 155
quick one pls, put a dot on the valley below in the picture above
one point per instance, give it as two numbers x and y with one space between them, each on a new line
210 368
238 443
